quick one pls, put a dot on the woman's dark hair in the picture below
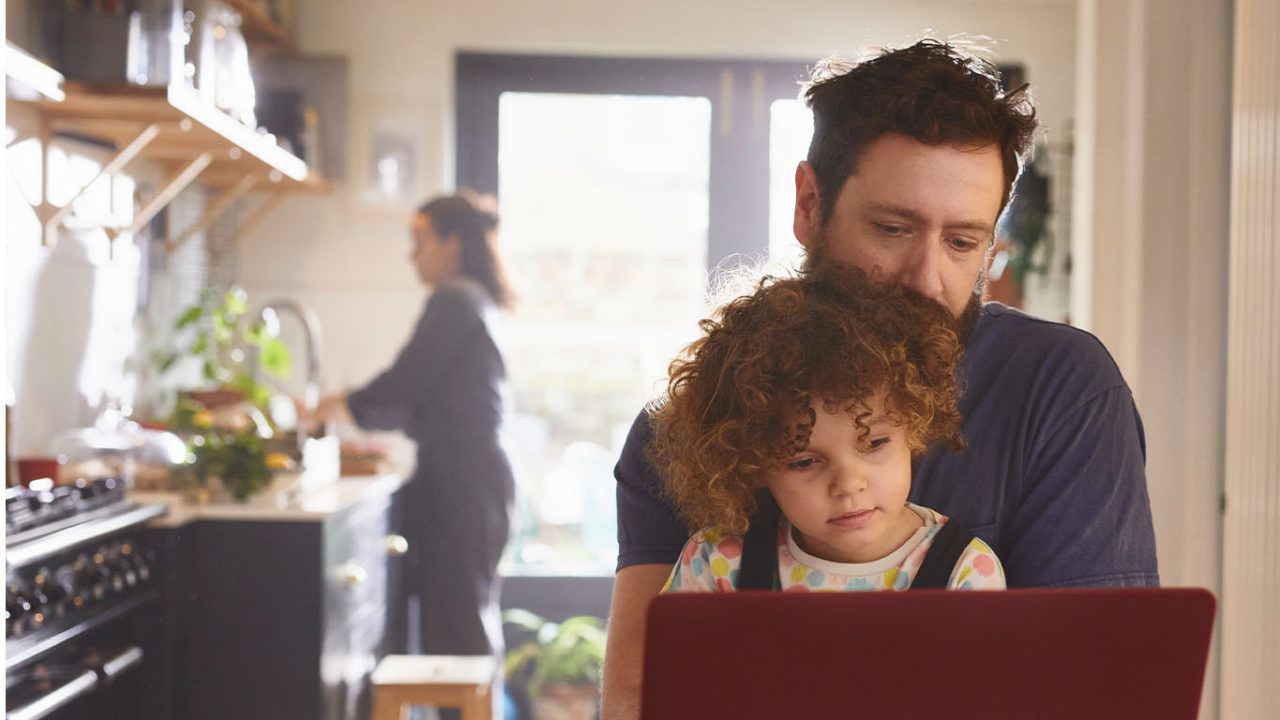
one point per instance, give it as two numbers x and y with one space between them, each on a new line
831 336
473 219
933 92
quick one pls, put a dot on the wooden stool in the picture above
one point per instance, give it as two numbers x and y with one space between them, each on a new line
451 681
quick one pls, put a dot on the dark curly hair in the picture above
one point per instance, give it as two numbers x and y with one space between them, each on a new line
832 335
934 92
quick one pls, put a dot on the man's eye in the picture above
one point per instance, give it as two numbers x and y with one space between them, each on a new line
890 230
801 464
964 244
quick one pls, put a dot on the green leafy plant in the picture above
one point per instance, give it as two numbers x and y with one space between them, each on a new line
229 446
566 653
239 459
215 332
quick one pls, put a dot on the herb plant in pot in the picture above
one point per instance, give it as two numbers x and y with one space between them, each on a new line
559 664
223 413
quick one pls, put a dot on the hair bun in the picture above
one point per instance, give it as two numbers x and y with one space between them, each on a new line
485 206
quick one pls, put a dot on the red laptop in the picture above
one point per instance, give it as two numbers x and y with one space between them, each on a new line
1025 653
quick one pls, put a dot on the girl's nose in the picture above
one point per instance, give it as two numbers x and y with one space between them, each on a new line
848 479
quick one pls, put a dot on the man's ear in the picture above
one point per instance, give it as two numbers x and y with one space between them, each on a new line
808 213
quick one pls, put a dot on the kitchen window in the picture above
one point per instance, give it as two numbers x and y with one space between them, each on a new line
623 185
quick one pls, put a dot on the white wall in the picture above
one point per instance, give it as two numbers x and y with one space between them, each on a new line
69 308
1151 239
1151 244
1251 547
73 337
345 254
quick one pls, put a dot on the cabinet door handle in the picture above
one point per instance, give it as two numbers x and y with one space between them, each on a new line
397 545
353 574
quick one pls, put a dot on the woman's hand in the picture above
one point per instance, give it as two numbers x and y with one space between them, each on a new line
331 408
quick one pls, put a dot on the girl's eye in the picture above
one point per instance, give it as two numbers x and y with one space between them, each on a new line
801 464
877 443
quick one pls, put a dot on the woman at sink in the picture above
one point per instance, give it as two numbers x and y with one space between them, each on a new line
447 390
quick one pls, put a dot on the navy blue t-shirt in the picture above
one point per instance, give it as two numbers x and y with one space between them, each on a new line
1052 478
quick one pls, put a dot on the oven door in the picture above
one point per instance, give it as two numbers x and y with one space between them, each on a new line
77 682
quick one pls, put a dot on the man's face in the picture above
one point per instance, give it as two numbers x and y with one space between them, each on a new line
921 215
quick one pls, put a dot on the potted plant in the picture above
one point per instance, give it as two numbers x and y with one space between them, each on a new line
214 333
559 664
224 415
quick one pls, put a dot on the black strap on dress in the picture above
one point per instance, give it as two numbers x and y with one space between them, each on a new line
948 545
759 568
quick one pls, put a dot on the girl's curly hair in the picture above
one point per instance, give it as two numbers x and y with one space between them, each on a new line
831 334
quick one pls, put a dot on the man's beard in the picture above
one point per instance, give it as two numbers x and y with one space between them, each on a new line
816 255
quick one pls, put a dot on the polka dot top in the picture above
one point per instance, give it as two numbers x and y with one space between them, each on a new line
710 562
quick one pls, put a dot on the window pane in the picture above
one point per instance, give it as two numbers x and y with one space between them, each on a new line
790 127
604 227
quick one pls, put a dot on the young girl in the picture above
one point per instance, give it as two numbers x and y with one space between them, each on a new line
815 393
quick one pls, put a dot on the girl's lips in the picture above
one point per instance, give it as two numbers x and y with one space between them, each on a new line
855 519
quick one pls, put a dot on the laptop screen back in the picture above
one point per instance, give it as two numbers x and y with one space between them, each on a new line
1096 653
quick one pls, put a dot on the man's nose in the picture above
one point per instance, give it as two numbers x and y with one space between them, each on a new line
922 269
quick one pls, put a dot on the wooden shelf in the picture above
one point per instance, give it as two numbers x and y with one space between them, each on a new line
260 31
185 128
189 139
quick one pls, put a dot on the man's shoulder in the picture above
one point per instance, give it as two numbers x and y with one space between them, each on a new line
1004 324
1010 341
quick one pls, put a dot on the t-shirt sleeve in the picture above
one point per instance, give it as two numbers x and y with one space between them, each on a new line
389 401
977 569
1086 518
649 531
709 562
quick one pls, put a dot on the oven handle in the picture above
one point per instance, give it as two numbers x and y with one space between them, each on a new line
129 658
82 685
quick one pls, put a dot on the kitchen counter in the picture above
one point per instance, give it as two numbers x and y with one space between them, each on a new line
273 505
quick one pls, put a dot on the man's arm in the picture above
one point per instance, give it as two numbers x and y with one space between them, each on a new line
650 537
1086 518
633 587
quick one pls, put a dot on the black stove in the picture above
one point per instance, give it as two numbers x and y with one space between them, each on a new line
36 509
77 584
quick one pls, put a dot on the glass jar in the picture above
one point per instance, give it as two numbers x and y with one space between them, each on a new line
116 447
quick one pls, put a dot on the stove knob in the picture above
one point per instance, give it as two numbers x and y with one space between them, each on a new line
51 593
143 560
105 577
89 585
30 603
16 609
123 574
66 577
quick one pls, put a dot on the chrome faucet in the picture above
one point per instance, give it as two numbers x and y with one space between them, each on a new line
268 316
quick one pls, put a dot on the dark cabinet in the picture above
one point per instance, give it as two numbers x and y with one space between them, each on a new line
276 618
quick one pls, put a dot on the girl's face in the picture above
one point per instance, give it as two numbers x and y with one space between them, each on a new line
847 499
436 258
